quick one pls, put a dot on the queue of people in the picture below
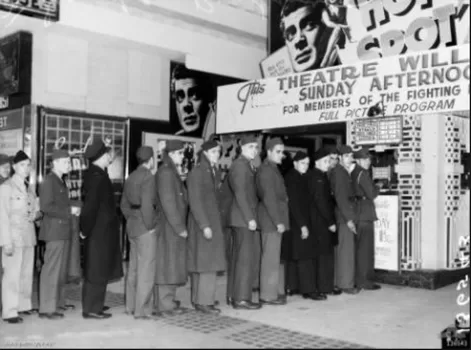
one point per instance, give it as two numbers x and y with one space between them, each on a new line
309 232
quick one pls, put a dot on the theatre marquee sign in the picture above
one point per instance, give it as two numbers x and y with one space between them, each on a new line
42 9
419 83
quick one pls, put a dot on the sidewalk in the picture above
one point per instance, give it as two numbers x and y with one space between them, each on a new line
399 317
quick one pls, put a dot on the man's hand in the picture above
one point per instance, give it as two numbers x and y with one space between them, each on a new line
183 234
252 225
280 228
304 232
75 211
82 236
332 228
352 227
9 249
208 233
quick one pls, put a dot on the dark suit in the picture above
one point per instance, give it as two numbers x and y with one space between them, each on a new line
172 201
365 192
245 245
138 206
56 231
344 195
272 211
206 257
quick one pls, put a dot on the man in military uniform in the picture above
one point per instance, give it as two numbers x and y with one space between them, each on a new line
18 211
365 193
56 232
243 220
172 201
273 215
342 188
5 169
206 241
138 206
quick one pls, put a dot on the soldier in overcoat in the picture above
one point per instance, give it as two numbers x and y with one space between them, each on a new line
100 231
365 193
18 210
172 202
322 210
56 232
138 206
5 169
273 216
243 220
206 244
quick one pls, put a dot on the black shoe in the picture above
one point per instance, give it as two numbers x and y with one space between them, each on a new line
96 316
351 290
245 305
335 291
207 309
174 312
28 312
105 308
372 286
314 296
69 307
13 320
279 301
291 292
51 315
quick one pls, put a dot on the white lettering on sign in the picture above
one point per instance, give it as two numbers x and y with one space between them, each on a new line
3 102
3 122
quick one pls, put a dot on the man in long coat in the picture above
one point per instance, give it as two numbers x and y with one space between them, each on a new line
99 225
56 232
243 220
322 209
206 244
345 214
18 211
172 201
5 169
138 207
365 192
273 215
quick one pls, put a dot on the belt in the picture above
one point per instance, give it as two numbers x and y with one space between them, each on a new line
360 198
135 207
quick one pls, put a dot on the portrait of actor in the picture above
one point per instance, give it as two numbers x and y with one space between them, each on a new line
306 35
192 95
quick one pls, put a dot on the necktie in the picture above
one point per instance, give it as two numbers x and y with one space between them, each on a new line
26 185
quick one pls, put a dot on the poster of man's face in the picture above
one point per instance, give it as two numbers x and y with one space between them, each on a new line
310 29
193 99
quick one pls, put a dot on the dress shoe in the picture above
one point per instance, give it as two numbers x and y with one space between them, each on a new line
51 315
67 307
351 290
278 301
28 312
99 316
245 305
105 308
13 320
157 313
291 292
207 309
314 296
143 318
335 291
372 286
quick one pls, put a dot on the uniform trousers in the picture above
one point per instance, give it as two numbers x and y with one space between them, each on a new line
53 277
244 257
17 281
203 288
1 277
345 258
93 297
272 274
75 271
365 254
164 297
140 279
229 274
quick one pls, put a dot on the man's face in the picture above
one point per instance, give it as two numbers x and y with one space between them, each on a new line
334 160
300 33
213 155
364 163
250 150
177 156
191 108
347 159
302 165
62 165
323 164
23 169
276 154
5 170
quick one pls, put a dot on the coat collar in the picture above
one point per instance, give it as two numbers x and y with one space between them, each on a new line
168 163
19 183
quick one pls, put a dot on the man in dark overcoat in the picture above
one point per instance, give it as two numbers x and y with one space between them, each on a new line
322 209
172 202
5 169
243 220
273 216
345 214
100 231
206 244
365 192
138 207
56 232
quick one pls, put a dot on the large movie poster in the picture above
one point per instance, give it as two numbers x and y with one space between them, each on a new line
193 101
325 33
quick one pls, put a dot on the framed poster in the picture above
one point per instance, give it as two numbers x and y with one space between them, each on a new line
158 143
387 233
277 64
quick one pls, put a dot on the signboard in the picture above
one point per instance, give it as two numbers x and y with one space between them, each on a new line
387 233
42 9
421 83
277 64
3 102
380 130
